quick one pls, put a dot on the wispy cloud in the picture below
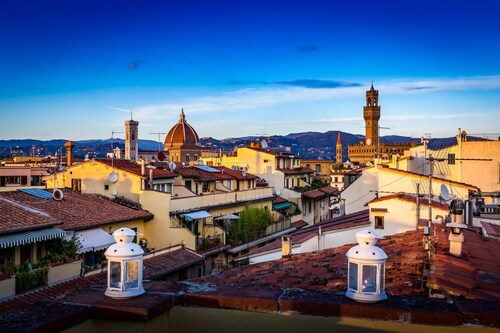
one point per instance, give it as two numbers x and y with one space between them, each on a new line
134 64
316 84
274 98
305 83
308 48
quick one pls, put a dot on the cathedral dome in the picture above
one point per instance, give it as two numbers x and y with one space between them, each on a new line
181 133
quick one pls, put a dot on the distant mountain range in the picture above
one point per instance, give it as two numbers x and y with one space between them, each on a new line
309 145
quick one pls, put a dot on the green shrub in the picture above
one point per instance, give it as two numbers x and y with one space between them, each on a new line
26 280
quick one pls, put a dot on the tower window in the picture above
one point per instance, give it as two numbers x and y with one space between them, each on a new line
133 136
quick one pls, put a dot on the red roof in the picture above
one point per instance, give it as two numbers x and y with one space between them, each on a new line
135 168
197 173
313 194
296 171
75 211
329 190
299 224
327 269
278 200
181 133
237 174
342 222
164 264
475 274
491 229
410 198
16 217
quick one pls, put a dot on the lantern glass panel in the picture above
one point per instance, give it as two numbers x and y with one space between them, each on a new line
353 276
115 274
132 276
369 278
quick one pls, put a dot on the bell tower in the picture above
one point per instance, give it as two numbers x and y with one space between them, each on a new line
371 113
339 149
131 140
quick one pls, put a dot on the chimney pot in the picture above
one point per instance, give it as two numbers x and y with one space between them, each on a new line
286 246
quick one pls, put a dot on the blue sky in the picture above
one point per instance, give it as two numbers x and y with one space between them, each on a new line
74 69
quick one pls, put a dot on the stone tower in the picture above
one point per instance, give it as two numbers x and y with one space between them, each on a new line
339 149
131 140
371 113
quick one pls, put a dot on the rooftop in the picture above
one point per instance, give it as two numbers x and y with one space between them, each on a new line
135 168
76 211
310 283
409 198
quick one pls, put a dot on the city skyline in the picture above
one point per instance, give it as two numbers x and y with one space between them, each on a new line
76 70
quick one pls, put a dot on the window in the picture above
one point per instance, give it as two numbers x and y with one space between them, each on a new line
293 182
196 157
451 158
249 183
188 185
318 168
106 187
205 187
76 185
187 157
310 207
379 222
266 161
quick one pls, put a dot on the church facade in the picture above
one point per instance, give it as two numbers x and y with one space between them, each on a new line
372 148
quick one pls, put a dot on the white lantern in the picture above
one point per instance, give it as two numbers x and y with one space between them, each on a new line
366 269
124 266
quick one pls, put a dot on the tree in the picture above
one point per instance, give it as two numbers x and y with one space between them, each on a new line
253 222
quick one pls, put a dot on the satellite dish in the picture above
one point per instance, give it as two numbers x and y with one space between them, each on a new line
58 194
183 163
173 166
278 192
201 162
113 177
264 145
445 194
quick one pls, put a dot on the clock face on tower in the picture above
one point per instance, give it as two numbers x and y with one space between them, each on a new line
368 142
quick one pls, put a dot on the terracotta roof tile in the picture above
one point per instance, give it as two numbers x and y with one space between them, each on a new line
329 190
491 229
475 274
16 217
75 211
296 171
163 264
278 200
236 174
299 224
327 269
338 223
135 168
313 194
197 173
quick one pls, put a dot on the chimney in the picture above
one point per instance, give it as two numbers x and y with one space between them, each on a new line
143 167
456 237
69 152
286 246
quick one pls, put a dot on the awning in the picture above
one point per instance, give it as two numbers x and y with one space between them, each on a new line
281 206
30 237
196 215
93 240
228 217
